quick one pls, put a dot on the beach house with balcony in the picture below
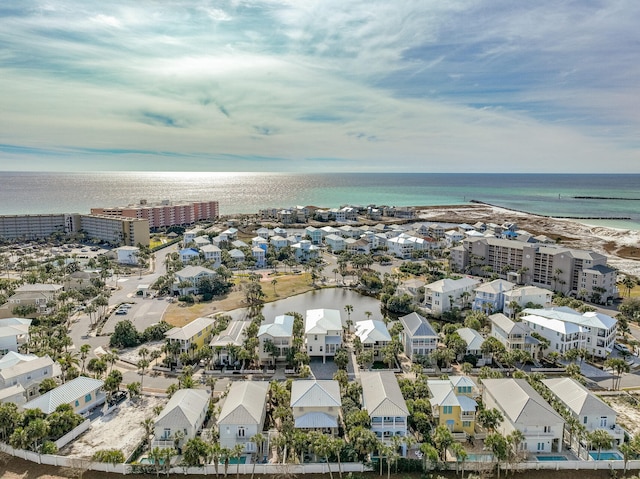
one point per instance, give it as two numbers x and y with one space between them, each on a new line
452 405
562 335
418 336
14 332
523 296
322 332
514 336
373 335
243 414
590 411
383 400
223 343
316 405
442 295
275 337
489 297
81 393
524 410
188 278
185 413
192 336
27 371
212 254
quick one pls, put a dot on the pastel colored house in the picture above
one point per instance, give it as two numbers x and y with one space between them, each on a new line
323 332
524 410
316 405
185 413
81 393
279 332
489 297
243 414
383 400
452 405
418 336
188 255
192 336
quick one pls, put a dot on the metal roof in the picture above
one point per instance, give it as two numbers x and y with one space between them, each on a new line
245 403
185 405
65 394
381 395
315 393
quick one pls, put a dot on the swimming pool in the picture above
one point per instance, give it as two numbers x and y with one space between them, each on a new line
147 460
606 456
551 458
479 458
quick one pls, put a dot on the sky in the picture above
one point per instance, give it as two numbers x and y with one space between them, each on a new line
320 85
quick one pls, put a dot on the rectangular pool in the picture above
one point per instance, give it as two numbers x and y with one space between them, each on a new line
606 456
551 458
479 458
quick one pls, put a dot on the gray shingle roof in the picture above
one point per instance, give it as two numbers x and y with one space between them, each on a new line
417 325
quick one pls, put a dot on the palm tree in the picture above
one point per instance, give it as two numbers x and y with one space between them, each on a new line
142 365
84 352
256 439
629 284
237 451
599 439
148 425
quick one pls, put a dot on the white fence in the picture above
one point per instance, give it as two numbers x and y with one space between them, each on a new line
71 435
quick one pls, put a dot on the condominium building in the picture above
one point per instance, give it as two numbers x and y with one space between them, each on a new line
566 270
30 227
165 213
116 230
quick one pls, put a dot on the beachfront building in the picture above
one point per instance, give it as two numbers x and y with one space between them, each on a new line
570 271
418 336
514 336
275 337
31 227
116 230
26 371
452 405
442 295
185 413
489 297
192 336
14 332
599 330
517 299
383 400
81 393
562 335
165 213
524 410
590 411
316 405
243 414
322 332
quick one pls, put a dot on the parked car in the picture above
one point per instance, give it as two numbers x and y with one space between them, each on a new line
121 311
622 348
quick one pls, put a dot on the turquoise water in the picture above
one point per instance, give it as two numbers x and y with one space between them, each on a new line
34 192
606 456
551 458
479 457
147 460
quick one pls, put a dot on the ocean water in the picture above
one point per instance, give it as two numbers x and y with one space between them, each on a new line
548 194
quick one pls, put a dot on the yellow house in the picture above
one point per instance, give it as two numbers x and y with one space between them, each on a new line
452 404
192 336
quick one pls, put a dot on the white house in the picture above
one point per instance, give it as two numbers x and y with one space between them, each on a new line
523 409
212 254
514 335
243 414
591 411
474 341
383 400
191 275
304 250
562 335
260 256
373 335
316 405
523 296
222 343
26 370
185 413
323 332
418 336
335 242
278 242
440 296
14 332
490 296
279 332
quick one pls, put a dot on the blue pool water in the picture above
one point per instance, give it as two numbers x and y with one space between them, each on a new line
551 458
606 456
147 460
479 458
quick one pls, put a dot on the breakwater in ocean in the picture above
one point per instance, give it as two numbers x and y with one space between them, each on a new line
554 216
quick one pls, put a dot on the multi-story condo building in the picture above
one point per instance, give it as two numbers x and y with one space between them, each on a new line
598 328
116 230
165 213
32 227
566 270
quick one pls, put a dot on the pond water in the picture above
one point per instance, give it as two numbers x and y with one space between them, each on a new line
328 298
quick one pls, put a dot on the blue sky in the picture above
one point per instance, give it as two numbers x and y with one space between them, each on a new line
320 85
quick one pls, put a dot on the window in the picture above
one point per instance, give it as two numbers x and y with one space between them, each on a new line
320 348
87 397
603 421
541 446
77 403
584 420
447 409
241 431
547 429
466 423
310 349
166 433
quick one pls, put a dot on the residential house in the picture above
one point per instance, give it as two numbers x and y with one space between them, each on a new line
260 242
278 242
599 329
314 234
188 255
591 411
489 297
442 295
39 295
201 241
514 335
562 335
192 336
452 405
26 370
14 332
374 336
401 246
418 336
263 233
81 393
383 400
524 410
236 255
316 405
523 296
239 244
453 236
188 279
474 342
212 254
275 336
185 413
357 246
243 414
334 242
190 235
323 332
13 394
232 336
260 256
305 251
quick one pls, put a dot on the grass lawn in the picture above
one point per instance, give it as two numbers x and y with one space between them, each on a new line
178 314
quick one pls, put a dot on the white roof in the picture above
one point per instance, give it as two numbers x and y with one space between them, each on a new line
371 331
185 406
449 285
246 403
319 321
381 395
234 334
444 395
316 420
193 271
557 325
65 394
496 286
577 398
188 331
32 363
472 337
278 327
319 393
